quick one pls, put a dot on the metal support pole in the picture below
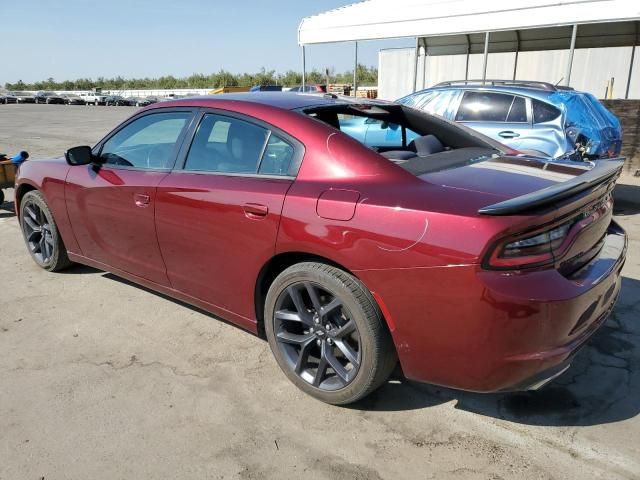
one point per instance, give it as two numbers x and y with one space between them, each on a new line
424 68
486 55
466 67
415 65
303 68
355 71
515 62
567 77
633 55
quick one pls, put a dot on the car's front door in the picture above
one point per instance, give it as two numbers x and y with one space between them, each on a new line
112 205
217 215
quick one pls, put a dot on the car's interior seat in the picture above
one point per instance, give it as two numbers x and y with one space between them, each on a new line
418 147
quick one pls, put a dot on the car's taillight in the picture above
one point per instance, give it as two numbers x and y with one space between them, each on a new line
531 250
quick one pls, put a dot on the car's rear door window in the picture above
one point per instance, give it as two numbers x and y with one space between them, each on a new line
484 107
226 145
543 112
518 111
148 142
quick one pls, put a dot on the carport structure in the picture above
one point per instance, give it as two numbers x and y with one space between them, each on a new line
464 27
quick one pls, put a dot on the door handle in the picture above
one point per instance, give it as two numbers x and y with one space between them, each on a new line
508 134
255 210
141 200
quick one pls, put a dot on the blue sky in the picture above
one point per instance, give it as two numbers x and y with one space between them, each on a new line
137 38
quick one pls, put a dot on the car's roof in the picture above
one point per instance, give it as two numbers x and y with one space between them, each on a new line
284 100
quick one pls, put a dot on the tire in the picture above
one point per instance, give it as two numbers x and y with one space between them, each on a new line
1 197
339 356
47 249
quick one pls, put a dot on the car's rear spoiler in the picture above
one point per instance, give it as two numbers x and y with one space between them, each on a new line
603 172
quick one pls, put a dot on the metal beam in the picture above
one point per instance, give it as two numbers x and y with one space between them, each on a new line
515 62
633 55
486 55
466 67
303 68
415 65
572 47
355 71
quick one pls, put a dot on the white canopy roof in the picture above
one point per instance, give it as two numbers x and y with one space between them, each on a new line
381 19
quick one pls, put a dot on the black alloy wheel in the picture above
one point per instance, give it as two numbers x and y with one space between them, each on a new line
327 333
41 233
317 336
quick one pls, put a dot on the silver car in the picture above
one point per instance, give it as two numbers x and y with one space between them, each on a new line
533 117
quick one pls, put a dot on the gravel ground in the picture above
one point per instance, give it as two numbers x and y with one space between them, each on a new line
100 379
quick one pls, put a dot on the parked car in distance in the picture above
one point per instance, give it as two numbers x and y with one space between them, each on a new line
477 269
7 97
93 98
317 88
138 101
117 100
49 98
534 117
73 99
24 97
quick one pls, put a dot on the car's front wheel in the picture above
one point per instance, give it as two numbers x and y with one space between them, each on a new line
327 333
41 233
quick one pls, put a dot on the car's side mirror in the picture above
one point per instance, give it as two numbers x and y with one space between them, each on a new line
79 156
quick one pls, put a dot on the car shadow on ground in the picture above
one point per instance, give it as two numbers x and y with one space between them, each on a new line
602 386
6 210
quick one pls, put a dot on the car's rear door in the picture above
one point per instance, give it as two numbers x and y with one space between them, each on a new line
112 207
218 211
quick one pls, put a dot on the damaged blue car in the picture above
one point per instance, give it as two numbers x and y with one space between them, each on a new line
536 118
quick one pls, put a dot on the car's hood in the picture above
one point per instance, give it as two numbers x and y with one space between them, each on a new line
504 177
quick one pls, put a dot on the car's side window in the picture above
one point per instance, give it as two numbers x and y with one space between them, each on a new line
518 111
543 112
277 158
484 107
226 145
148 142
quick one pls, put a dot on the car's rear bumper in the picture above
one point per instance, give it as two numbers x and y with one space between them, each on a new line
474 329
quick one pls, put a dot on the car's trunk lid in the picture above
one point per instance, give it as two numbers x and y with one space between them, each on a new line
536 193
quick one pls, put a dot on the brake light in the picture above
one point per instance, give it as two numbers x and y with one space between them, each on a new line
543 246
530 250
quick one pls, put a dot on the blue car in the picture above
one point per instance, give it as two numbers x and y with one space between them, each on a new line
532 117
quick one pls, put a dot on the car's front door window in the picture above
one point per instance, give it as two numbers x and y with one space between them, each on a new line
148 142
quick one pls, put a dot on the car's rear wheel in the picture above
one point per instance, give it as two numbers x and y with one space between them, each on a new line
327 333
41 233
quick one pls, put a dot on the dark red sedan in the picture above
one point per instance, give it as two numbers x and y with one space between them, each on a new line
476 267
